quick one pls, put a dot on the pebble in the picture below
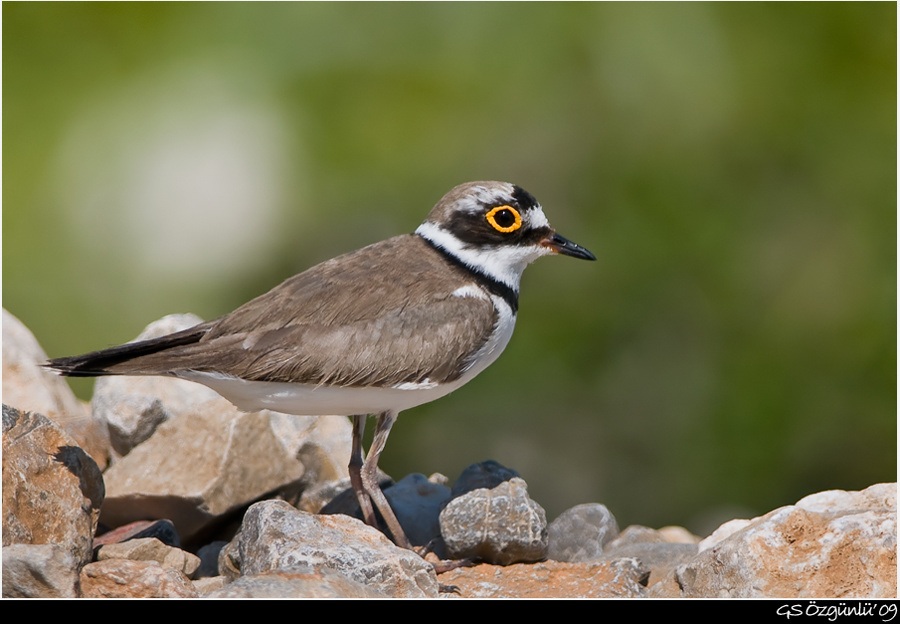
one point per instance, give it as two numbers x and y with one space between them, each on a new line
580 533
499 525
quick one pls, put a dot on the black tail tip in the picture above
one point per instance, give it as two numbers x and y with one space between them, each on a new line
70 367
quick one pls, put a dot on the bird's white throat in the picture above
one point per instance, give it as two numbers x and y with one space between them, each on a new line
504 263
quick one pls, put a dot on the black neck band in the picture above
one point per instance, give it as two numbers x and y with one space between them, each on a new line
493 285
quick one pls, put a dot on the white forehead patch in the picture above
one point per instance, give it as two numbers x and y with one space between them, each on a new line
477 197
536 217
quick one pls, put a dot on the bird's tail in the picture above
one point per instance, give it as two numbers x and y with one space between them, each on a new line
123 359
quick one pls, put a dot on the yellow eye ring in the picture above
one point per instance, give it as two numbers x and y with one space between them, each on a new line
504 219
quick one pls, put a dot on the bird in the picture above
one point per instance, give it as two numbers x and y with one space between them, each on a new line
372 332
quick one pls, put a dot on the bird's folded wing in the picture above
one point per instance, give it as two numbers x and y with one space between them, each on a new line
412 344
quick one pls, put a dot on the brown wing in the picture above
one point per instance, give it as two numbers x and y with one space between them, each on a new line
372 317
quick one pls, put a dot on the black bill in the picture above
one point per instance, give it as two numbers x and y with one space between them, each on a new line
564 246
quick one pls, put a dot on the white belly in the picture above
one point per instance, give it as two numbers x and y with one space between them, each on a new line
309 400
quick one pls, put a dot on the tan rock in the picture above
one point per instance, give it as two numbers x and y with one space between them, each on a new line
209 584
151 549
294 584
321 443
30 388
39 571
123 578
831 545
678 535
52 489
621 578
197 468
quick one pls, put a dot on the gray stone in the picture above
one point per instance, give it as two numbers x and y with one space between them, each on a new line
417 503
636 534
276 536
209 559
581 533
659 551
658 558
39 571
52 490
501 525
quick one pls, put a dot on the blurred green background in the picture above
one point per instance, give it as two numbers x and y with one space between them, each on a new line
733 167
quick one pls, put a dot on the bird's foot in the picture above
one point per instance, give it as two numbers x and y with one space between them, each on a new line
448 589
443 565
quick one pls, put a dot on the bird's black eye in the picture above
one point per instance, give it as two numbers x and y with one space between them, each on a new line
504 219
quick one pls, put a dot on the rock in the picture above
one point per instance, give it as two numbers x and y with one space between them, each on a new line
590 533
151 549
658 558
501 525
487 475
417 502
276 536
207 463
830 545
208 584
580 533
135 406
39 571
52 490
678 535
331 497
724 531
123 578
209 559
31 388
320 443
621 578
229 560
322 446
637 534
298 583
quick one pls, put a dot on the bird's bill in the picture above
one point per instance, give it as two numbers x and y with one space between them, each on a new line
561 245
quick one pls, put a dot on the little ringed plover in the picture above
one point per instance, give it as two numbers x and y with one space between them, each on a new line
375 331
